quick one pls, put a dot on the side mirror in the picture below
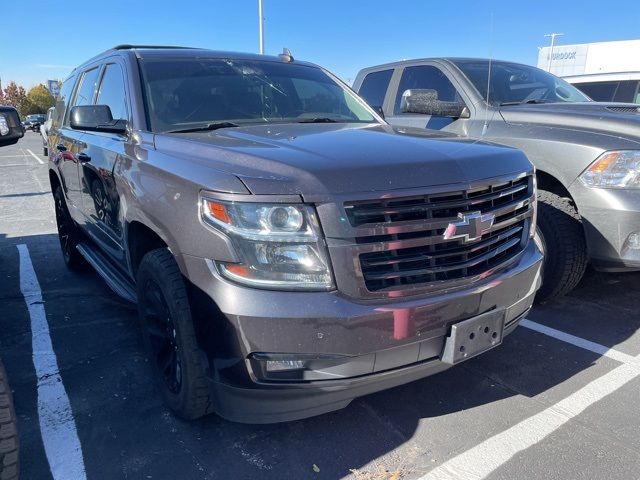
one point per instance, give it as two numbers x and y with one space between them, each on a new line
378 110
96 118
425 101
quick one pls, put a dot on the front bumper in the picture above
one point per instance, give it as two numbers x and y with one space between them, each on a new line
609 216
383 344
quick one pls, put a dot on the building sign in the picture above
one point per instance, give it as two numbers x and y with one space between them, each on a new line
591 58
564 60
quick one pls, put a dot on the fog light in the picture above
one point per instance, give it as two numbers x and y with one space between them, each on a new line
633 240
280 365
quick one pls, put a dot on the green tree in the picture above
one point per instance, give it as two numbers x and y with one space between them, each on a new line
15 96
38 100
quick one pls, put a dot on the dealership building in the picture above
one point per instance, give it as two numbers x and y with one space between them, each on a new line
606 71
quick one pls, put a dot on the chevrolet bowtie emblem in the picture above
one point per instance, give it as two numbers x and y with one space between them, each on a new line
470 227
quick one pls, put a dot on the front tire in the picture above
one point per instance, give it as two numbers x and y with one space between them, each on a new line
68 233
9 445
561 236
169 335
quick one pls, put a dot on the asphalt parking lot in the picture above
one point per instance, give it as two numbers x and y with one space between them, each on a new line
559 399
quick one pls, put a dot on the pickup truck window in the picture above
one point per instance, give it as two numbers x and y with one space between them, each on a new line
512 83
61 102
374 87
112 92
426 76
186 92
87 88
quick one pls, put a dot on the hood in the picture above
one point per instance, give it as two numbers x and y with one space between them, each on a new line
317 159
620 119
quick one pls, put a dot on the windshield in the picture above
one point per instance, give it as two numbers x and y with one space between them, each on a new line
182 93
512 83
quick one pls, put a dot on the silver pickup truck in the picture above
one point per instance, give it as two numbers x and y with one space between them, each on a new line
587 154
288 250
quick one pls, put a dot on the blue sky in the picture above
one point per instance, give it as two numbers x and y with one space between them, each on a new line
43 40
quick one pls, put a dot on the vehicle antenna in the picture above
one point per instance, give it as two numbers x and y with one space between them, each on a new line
486 112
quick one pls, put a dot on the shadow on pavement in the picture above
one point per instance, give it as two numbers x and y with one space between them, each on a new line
120 415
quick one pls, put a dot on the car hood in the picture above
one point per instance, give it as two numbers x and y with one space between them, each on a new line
620 119
317 159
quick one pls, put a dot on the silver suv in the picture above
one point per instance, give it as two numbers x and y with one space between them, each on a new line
288 250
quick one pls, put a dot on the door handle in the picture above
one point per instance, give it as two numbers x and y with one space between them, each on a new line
83 157
61 148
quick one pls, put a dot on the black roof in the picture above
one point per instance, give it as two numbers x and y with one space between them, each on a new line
164 51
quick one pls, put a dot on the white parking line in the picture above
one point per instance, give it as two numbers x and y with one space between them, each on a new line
581 342
480 461
57 426
41 162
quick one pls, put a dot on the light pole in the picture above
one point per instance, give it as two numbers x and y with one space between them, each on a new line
261 26
553 41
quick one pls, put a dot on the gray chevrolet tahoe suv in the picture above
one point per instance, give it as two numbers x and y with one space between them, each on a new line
288 250
587 154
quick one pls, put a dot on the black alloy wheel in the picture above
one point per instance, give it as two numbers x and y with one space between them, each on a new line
68 233
161 332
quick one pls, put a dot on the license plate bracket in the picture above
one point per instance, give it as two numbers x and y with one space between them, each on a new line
473 336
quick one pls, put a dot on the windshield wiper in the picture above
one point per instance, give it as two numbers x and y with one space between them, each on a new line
318 120
207 127
533 100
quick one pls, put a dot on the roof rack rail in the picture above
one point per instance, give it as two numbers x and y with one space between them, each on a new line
130 47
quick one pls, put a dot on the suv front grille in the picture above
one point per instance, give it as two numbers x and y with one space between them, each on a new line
412 250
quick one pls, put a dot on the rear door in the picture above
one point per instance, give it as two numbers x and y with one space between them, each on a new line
66 143
100 197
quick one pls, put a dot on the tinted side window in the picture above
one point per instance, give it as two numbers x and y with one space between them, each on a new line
374 87
626 92
62 101
87 88
599 91
111 92
426 76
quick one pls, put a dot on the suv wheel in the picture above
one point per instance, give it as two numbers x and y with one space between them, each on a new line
168 331
561 237
8 431
68 233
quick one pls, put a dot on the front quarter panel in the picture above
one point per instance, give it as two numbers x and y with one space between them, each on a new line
162 193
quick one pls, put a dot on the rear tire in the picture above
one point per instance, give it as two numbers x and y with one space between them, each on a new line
562 238
9 444
68 233
169 335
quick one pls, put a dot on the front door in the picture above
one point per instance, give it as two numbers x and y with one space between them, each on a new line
103 151
424 77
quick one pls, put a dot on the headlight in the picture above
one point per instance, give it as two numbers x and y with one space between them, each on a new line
279 245
4 126
616 169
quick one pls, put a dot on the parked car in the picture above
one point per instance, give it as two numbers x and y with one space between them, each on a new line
11 129
609 87
287 249
44 131
10 132
33 122
587 154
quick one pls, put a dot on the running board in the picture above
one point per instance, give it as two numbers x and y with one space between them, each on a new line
116 280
